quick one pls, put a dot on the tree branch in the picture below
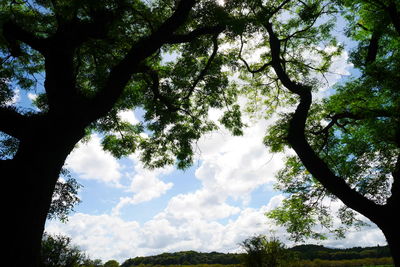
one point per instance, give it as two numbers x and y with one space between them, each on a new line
297 139
391 10
206 68
394 15
130 64
369 114
14 33
262 68
155 79
276 62
13 123
155 88
272 12
373 47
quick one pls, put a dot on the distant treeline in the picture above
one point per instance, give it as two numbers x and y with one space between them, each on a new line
303 252
381 262
311 252
185 258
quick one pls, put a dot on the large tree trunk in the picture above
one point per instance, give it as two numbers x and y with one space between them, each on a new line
393 239
388 223
30 180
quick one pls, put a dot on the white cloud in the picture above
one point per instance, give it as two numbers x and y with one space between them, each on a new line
90 161
110 237
145 184
101 236
368 236
32 96
230 168
128 116
201 205
340 67
235 166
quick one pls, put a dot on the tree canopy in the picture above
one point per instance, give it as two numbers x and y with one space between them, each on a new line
174 95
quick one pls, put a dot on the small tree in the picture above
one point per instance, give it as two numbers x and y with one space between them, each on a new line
58 251
111 263
264 252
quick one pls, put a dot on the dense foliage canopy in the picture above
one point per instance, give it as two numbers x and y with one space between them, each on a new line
173 94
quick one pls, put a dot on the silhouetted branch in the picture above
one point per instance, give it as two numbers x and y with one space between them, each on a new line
262 68
155 88
13 123
14 34
206 68
121 73
373 47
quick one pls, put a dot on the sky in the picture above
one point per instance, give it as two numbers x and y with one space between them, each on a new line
128 210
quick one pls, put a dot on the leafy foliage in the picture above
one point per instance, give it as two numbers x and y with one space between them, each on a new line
111 263
263 252
175 96
8 146
58 251
65 197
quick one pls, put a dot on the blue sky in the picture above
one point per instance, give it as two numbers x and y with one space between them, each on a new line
129 211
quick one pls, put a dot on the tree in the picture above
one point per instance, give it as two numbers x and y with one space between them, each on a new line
264 252
57 251
348 144
98 58
111 263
